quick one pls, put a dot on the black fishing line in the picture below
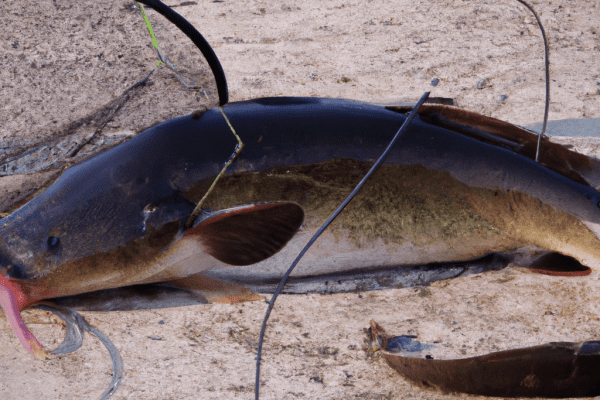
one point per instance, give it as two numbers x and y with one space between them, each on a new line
321 229
199 41
547 64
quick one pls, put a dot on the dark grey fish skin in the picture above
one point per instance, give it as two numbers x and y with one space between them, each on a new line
99 205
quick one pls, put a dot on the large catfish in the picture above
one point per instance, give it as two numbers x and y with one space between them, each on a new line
118 218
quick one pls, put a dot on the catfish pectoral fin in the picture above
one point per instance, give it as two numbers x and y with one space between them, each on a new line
215 290
247 234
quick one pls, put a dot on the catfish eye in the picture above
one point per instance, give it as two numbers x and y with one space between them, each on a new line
53 242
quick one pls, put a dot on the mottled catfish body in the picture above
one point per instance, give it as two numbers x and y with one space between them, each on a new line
117 218
440 197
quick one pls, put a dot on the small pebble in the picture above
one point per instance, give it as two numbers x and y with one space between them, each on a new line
502 97
405 343
435 81
161 322
313 76
482 83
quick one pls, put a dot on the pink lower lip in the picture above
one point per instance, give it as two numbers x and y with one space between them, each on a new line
12 299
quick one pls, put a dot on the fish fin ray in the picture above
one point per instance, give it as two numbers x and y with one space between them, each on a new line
248 234
557 264
215 290
136 297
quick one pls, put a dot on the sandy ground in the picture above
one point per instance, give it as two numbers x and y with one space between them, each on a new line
374 51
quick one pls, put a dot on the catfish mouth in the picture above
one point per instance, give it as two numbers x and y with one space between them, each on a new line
11 269
15 272
7 268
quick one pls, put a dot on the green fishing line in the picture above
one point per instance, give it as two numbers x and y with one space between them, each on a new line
149 26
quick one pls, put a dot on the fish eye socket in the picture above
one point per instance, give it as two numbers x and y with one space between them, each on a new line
53 242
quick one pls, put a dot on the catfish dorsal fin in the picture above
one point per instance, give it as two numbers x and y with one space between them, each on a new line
247 234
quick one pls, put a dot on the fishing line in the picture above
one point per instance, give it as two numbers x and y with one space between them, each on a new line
236 152
154 41
210 56
547 65
200 43
164 60
333 216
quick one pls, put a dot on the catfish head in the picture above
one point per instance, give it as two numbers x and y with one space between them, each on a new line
94 229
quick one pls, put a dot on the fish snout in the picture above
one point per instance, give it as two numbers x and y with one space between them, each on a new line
25 259
11 269
8 266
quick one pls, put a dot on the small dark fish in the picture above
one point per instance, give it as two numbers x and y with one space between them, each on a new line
553 370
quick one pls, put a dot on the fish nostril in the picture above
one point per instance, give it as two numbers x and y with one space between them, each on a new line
53 242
